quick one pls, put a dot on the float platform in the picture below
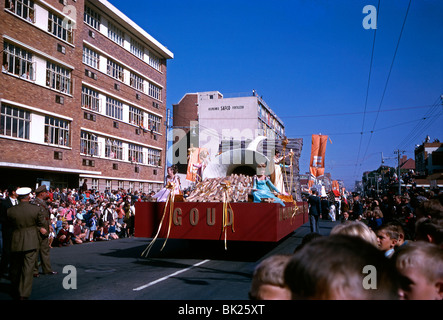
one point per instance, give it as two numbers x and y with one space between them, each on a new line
263 222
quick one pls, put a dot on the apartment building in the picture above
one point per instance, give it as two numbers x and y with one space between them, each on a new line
83 96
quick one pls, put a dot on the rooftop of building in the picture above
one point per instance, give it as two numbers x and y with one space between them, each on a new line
119 16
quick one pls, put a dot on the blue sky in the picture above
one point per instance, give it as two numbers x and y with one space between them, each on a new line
310 60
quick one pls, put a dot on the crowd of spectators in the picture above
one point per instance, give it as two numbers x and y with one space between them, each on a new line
383 248
83 215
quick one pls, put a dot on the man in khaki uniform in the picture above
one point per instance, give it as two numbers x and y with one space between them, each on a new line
40 200
26 221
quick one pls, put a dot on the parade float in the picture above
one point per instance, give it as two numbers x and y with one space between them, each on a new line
221 204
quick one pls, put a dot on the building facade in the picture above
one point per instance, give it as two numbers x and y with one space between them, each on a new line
83 96
214 121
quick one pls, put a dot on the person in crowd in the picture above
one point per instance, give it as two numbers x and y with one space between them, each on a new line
268 281
99 234
430 230
10 200
112 231
26 221
356 229
387 239
315 211
79 234
63 237
306 239
357 207
44 249
421 266
335 268
51 236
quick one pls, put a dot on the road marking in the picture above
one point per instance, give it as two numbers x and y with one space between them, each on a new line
171 275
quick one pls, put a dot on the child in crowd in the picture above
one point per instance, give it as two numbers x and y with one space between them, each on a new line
112 230
387 239
334 268
356 229
51 235
268 282
421 265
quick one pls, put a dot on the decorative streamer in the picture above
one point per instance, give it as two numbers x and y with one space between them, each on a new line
170 186
226 188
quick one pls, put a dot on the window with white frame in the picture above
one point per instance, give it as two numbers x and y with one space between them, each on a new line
22 8
115 34
90 99
155 91
154 61
60 27
114 149
115 70
109 185
154 122
14 122
56 131
94 184
121 184
141 187
89 144
58 78
91 58
137 82
135 116
18 61
131 186
135 153
91 18
137 49
153 157
114 108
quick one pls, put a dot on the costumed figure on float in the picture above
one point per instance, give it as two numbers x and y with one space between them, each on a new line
263 188
172 178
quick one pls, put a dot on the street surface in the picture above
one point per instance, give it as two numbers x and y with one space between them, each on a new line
184 270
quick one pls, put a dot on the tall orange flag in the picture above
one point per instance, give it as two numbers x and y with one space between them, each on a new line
318 152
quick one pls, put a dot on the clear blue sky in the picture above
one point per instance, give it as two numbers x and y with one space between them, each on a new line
310 60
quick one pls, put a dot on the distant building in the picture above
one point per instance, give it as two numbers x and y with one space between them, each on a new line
210 120
429 164
83 96
429 158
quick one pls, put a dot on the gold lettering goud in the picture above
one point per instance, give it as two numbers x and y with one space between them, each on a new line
177 217
210 216
193 217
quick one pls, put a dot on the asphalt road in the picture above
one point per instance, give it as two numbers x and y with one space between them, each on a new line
184 270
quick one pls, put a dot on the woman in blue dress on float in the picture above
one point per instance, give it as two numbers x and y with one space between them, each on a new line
263 187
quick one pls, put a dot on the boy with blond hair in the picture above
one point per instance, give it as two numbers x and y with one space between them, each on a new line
421 266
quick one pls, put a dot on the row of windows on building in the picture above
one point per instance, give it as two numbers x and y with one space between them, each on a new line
21 62
93 100
268 121
62 28
16 123
116 34
117 71
109 185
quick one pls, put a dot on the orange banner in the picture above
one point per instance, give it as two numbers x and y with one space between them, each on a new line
336 188
318 152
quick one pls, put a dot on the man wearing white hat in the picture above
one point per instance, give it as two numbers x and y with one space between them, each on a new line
26 221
